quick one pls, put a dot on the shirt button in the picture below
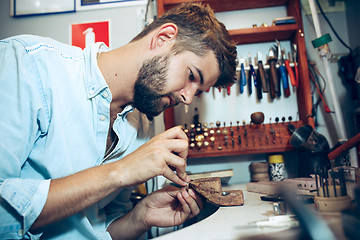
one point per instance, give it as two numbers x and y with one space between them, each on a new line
105 94
102 118
21 232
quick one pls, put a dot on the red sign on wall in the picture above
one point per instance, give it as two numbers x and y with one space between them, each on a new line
84 34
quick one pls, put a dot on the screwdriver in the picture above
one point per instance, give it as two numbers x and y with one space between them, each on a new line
242 75
261 74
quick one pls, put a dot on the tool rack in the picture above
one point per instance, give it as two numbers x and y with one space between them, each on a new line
294 33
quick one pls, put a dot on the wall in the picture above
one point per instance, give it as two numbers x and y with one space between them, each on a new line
123 23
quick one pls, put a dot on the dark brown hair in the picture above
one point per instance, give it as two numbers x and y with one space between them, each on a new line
199 31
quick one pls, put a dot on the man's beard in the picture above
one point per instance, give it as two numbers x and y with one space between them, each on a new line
150 83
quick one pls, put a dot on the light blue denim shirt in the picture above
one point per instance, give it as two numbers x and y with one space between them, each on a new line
54 121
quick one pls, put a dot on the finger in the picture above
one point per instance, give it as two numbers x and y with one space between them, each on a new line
191 202
199 200
172 176
177 147
175 132
179 164
185 207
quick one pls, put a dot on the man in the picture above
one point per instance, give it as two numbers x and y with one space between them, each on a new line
71 142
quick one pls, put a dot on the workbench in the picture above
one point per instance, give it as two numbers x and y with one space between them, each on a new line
235 223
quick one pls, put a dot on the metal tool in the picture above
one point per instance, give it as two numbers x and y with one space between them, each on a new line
273 77
261 74
282 70
294 59
242 75
257 80
252 74
289 69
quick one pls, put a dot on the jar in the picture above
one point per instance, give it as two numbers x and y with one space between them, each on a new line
277 168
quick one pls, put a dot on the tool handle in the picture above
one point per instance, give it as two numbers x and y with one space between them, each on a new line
253 75
296 74
273 78
290 72
344 147
258 86
262 77
284 80
242 78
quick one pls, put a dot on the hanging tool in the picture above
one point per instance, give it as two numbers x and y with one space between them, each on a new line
289 69
282 70
242 75
261 74
252 75
294 60
228 91
273 78
257 82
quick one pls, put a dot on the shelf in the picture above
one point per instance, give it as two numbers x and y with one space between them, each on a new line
255 139
221 6
263 34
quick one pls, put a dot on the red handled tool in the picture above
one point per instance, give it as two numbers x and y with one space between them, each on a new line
294 59
290 70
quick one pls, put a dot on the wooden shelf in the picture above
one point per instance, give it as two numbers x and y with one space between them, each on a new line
263 34
263 138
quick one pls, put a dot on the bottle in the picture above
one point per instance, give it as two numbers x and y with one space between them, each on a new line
277 168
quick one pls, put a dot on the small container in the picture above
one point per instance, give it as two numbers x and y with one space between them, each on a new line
277 168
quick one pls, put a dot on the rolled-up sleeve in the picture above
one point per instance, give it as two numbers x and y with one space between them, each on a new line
22 118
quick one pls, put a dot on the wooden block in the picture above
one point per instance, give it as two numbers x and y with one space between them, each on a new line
211 189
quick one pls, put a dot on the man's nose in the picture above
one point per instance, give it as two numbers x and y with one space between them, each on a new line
187 94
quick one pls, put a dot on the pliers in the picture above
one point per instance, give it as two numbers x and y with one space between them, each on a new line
282 70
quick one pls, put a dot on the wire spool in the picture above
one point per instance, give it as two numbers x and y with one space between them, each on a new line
259 171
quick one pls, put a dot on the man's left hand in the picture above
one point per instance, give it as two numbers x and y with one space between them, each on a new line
171 206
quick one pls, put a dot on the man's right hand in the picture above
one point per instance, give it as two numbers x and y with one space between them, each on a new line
161 155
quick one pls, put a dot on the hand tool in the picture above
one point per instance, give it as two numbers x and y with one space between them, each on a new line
294 59
261 74
273 78
282 70
252 75
257 81
242 75
289 69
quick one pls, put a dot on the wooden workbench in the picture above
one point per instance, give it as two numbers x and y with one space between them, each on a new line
235 223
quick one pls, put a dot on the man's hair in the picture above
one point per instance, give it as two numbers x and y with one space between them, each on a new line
199 31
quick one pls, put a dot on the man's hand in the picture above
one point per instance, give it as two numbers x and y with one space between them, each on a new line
171 206
166 207
161 155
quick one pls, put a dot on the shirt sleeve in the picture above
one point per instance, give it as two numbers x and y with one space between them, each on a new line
22 118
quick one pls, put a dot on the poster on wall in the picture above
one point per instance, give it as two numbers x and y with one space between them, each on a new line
85 34
20 8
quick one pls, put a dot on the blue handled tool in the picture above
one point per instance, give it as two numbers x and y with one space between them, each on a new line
242 75
282 70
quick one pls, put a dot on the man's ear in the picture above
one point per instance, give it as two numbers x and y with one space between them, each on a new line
164 34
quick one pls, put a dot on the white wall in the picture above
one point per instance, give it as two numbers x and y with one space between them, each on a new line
123 23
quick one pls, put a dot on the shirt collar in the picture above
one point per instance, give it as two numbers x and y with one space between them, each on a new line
94 80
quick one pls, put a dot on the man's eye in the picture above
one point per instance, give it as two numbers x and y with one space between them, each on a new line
191 77
198 92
